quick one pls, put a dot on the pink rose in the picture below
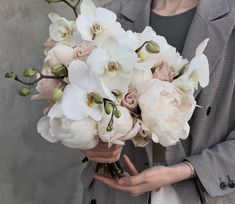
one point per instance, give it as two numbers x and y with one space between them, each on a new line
83 51
45 87
164 72
131 100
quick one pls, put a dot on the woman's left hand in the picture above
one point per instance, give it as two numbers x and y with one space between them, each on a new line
150 179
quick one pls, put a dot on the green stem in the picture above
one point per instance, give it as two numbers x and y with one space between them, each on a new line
74 8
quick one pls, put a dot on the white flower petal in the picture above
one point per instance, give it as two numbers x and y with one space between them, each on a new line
126 57
97 61
84 27
73 103
56 111
200 49
88 9
43 127
108 18
53 16
78 74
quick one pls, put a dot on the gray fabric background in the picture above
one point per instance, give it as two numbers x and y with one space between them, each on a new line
32 171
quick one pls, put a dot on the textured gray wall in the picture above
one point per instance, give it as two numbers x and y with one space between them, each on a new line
32 171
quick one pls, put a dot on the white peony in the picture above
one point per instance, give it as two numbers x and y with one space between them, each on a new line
64 31
165 110
94 21
60 54
122 128
74 134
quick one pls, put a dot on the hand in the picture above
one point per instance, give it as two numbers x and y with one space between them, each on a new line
102 154
151 179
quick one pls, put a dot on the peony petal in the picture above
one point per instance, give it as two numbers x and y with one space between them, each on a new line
56 111
43 127
130 39
97 61
106 17
88 9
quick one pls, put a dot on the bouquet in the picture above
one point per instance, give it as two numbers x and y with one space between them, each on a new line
103 83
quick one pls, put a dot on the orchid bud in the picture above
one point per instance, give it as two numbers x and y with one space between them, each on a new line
29 72
56 94
24 91
152 47
59 70
110 127
9 75
117 113
108 108
117 94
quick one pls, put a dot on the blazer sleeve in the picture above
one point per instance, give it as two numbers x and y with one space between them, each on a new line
215 167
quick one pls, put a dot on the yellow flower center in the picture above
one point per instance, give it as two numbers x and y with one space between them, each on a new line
96 28
113 66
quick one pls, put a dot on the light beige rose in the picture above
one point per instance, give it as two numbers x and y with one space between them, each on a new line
83 51
60 54
164 72
131 99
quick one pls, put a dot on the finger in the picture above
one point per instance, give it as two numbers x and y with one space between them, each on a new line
130 166
112 183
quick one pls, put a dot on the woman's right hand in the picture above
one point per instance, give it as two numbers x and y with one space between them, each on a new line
102 154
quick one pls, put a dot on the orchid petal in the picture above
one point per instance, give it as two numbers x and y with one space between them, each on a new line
56 111
73 103
108 18
84 27
97 60
88 9
200 49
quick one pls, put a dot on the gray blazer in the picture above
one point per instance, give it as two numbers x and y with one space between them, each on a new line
211 144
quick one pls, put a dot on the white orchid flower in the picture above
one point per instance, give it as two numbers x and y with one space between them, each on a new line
64 31
146 60
114 64
83 96
196 72
94 21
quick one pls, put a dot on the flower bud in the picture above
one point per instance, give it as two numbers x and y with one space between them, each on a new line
24 91
117 94
59 70
110 127
152 47
9 75
29 72
108 108
56 94
117 113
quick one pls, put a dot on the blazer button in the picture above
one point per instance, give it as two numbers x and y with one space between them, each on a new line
223 185
93 201
231 183
208 112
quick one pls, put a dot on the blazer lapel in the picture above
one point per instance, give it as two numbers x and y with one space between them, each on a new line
210 22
